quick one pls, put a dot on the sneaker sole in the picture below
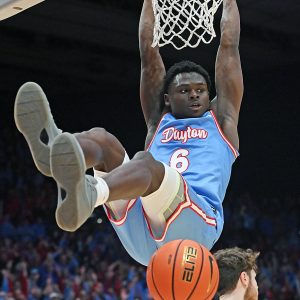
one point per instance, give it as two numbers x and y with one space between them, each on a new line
68 169
32 115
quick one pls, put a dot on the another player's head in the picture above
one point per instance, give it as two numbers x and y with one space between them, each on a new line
186 90
238 270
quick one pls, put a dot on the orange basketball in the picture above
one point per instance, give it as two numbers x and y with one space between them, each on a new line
182 270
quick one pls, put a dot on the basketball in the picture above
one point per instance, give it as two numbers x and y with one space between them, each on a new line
182 269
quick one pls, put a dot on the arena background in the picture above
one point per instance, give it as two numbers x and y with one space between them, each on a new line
85 56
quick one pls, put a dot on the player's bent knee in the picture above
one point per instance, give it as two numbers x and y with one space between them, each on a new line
142 162
148 161
98 134
104 138
154 168
144 156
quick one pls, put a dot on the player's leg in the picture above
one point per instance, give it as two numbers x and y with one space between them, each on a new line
175 211
141 176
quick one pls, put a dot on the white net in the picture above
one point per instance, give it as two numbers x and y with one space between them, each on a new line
184 23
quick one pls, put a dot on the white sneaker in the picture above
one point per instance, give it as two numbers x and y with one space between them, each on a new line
32 116
68 169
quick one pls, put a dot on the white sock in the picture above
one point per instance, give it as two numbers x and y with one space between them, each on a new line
102 191
117 207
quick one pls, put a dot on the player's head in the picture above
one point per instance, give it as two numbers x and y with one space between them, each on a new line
186 90
238 269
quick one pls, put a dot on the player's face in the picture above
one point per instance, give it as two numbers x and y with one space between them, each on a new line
252 290
188 96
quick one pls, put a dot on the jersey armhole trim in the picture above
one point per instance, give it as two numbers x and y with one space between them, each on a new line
233 150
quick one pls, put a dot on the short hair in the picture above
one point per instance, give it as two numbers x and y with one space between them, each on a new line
232 262
185 66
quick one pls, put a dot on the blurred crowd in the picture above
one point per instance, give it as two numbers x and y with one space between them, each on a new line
272 226
39 261
58 265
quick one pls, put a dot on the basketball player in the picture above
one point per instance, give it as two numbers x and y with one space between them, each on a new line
175 188
237 274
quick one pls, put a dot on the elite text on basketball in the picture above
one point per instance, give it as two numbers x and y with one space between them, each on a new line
189 260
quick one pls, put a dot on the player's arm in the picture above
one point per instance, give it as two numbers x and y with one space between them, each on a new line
229 77
152 68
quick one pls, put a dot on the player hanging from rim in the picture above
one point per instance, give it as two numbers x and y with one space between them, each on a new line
238 271
175 188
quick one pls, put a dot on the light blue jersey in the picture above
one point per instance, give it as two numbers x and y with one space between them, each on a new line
198 150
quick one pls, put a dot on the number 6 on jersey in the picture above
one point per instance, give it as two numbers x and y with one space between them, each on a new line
179 160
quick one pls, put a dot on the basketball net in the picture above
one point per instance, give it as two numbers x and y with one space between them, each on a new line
184 23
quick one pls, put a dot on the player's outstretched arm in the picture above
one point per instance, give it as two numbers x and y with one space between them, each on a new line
152 68
229 77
